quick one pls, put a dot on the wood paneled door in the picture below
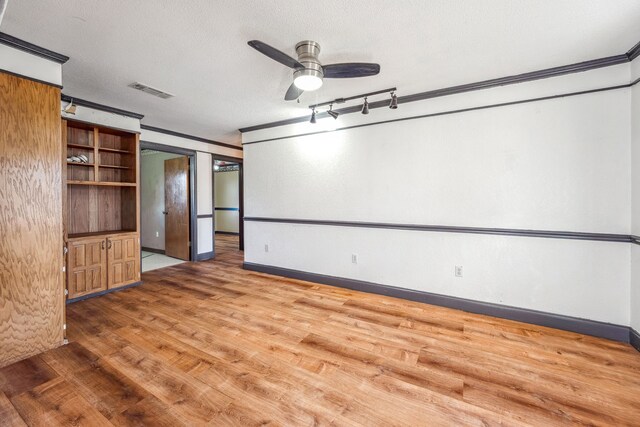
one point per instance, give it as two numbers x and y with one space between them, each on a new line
31 244
176 201
87 266
123 260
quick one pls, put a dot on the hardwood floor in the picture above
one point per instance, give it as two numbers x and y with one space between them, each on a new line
209 343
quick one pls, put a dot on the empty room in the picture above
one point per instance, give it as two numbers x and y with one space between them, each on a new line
297 213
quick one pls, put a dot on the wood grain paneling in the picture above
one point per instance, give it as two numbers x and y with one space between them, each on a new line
209 343
31 293
123 260
87 266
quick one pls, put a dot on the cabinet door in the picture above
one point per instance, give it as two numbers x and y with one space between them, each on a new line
87 262
123 260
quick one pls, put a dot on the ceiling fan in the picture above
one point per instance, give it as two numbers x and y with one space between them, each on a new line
308 71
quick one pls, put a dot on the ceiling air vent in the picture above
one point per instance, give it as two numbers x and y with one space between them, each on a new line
151 91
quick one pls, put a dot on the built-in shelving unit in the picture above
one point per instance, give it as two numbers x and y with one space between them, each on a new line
102 214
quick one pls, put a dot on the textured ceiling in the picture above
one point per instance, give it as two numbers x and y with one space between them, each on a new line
197 49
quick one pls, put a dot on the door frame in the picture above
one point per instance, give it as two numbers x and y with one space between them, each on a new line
237 160
193 208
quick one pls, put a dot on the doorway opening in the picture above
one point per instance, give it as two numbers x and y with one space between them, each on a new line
228 205
167 226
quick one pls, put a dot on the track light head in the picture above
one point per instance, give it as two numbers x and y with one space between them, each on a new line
394 101
365 106
313 116
332 113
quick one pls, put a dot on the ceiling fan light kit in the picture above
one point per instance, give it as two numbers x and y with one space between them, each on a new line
309 73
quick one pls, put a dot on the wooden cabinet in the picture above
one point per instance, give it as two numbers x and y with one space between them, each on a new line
102 218
87 266
96 264
123 260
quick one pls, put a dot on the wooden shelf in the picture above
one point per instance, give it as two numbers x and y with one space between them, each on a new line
85 147
113 150
99 234
114 167
79 164
103 183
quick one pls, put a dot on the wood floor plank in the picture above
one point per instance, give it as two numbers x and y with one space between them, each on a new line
209 343
8 414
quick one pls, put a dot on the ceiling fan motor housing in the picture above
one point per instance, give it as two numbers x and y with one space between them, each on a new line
308 52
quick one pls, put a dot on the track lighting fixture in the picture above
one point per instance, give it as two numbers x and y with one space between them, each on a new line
332 113
365 106
394 101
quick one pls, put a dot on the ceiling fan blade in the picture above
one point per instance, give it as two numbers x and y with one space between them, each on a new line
293 93
350 69
275 54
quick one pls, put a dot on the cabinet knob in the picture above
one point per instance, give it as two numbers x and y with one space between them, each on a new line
165 213
103 245
108 244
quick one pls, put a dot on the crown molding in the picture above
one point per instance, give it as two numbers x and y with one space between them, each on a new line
192 137
101 107
33 49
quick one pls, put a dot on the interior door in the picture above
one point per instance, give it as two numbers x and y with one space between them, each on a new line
176 202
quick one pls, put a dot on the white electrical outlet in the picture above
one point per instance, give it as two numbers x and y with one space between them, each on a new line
458 270
266 247
157 234
354 258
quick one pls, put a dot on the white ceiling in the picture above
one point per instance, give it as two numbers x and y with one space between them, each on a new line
197 49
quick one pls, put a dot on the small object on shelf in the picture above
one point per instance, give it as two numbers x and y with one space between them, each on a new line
81 158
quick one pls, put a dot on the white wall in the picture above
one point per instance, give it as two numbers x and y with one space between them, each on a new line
205 202
152 199
20 62
635 212
560 164
227 196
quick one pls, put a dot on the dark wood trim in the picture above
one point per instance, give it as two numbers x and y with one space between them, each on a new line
22 76
100 107
194 138
33 49
634 52
552 320
107 291
634 338
444 113
205 256
241 211
227 158
486 84
227 209
153 250
602 237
